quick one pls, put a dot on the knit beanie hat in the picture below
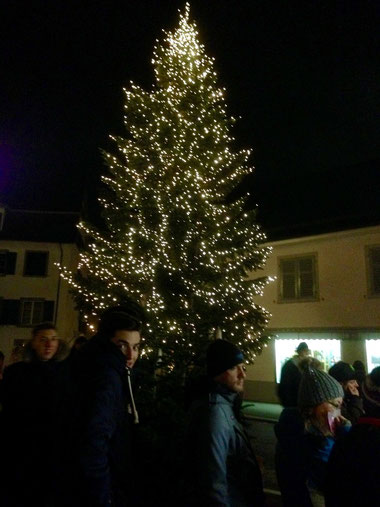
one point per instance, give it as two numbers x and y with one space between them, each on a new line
317 387
342 372
371 393
222 355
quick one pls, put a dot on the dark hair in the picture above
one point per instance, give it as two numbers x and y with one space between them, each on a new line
128 317
358 365
1 355
375 376
42 327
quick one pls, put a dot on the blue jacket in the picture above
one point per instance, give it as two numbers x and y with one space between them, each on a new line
221 467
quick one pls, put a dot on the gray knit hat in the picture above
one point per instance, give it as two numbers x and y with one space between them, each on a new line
317 387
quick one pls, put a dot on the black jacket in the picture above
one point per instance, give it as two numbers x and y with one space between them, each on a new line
353 471
103 425
34 422
289 384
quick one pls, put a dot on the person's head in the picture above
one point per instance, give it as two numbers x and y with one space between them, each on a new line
318 394
345 375
303 350
79 342
358 365
371 393
225 365
45 341
122 326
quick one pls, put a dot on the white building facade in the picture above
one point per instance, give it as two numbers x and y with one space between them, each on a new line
32 244
327 293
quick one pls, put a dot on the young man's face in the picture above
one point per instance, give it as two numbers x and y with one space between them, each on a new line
233 378
45 344
129 343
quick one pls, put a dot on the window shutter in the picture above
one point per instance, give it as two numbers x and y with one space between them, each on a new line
48 311
11 263
10 312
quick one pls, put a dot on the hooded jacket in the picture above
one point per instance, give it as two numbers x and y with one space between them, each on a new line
103 424
222 469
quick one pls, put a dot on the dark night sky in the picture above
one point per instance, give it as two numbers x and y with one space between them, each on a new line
304 76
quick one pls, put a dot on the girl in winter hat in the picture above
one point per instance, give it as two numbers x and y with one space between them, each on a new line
320 398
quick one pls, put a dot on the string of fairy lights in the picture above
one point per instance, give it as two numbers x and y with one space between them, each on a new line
169 240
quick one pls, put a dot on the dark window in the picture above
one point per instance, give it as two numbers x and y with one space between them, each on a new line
374 270
7 262
9 312
36 263
298 281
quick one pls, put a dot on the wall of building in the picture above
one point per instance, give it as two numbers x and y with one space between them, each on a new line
344 310
50 287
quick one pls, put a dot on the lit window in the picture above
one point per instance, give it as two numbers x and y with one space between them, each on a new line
373 354
36 263
32 312
373 263
326 351
298 278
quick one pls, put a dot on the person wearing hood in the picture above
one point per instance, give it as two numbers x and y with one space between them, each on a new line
221 467
352 406
34 397
106 411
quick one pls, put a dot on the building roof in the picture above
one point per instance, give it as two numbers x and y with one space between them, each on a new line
39 226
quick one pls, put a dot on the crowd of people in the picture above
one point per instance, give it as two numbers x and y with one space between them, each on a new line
68 421
328 434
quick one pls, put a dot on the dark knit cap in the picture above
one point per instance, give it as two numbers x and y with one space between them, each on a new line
222 355
342 372
316 387
371 393
302 346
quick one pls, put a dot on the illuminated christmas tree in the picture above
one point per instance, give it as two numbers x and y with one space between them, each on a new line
170 241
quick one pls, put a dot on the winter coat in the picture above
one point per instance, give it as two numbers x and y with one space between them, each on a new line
352 407
35 396
289 383
292 459
221 468
102 440
353 472
301 457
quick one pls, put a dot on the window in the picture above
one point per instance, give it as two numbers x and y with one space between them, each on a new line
373 266
32 312
36 263
7 262
298 279
327 351
373 354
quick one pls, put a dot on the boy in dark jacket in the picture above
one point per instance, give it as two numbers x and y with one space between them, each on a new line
106 410
35 393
